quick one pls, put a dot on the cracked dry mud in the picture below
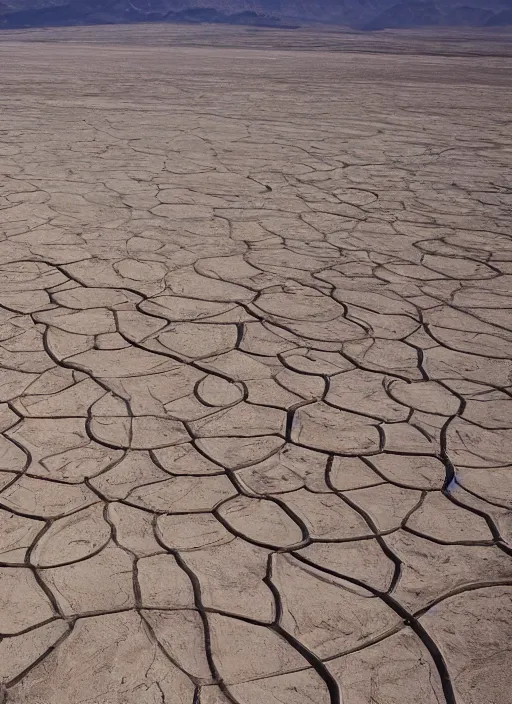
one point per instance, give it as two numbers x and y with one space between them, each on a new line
255 377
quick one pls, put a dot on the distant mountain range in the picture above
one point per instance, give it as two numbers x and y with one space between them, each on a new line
359 14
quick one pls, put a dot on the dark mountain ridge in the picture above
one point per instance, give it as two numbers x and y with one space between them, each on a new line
359 14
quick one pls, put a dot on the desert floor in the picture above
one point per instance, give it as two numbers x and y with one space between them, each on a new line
255 367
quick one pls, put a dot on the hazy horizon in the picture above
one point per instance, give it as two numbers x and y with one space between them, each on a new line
358 14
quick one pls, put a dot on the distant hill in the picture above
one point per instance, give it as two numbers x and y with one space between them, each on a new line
360 14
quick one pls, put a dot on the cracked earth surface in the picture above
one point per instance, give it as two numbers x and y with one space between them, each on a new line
255 384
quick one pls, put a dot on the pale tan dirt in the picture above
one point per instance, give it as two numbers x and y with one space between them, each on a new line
256 368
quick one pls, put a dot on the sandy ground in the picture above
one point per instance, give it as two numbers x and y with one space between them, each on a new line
256 376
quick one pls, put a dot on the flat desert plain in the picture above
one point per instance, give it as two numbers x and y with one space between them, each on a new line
255 367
